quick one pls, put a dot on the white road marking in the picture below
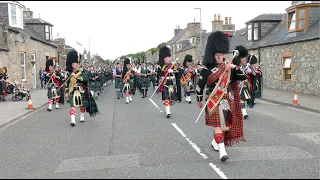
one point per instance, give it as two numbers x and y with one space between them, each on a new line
214 167
221 174
190 142
155 104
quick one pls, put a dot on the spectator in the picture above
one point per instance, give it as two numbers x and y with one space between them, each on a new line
41 76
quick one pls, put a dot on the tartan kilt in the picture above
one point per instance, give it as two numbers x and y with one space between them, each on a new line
93 86
49 92
235 133
118 83
144 82
131 87
137 80
85 101
165 94
245 94
153 78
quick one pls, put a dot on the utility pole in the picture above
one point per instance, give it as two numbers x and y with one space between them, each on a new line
89 50
200 44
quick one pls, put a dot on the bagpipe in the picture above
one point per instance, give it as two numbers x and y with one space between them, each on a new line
185 78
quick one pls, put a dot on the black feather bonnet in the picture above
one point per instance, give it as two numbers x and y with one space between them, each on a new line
217 42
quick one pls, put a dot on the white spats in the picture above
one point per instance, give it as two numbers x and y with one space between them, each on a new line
244 113
73 119
127 100
81 117
130 98
214 145
188 99
50 107
222 152
92 93
168 110
57 105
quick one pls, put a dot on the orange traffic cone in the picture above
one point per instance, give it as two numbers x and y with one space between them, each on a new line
30 106
295 98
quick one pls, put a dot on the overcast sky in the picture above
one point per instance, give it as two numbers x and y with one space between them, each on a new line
121 28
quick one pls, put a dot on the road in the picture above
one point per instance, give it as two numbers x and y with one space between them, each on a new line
137 141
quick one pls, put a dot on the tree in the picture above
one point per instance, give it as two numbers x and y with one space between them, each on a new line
161 45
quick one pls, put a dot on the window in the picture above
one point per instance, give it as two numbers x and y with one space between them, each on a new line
179 47
297 20
33 57
192 41
256 31
287 68
48 32
23 66
15 15
249 32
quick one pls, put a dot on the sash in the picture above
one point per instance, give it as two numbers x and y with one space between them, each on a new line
218 92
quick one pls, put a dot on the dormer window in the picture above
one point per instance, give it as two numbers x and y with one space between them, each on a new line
253 31
179 47
193 41
48 33
297 20
15 12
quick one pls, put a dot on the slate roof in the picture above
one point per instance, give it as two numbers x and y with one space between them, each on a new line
36 21
33 34
267 17
277 36
175 38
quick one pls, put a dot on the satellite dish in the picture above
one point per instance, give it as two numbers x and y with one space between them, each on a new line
22 37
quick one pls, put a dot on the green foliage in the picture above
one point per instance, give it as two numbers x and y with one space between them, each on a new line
140 56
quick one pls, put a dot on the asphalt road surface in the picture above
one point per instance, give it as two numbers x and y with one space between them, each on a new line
136 141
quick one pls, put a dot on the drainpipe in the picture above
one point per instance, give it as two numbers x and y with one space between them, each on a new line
259 55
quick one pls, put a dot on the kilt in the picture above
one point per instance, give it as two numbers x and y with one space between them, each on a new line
93 85
188 86
131 87
49 92
166 95
88 102
118 83
144 82
153 78
235 133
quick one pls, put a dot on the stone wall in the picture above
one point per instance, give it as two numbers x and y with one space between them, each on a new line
305 65
194 52
12 59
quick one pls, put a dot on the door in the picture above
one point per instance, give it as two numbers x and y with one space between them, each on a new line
34 71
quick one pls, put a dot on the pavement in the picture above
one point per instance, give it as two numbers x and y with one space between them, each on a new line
305 102
14 110
135 140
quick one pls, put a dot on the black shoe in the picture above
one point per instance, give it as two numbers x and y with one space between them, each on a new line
189 102
72 124
118 97
245 116
49 110
168 116
224 158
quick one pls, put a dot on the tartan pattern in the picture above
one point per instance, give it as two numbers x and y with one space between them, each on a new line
88 101
235 134
144 82
49 92
118 83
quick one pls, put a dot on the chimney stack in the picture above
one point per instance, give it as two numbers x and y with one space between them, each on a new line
194 20
217 25
226 20
177 30
228 26
27 14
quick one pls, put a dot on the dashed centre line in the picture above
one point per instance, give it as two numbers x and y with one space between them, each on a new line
204 156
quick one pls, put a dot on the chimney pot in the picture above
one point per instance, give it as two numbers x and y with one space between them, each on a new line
230 20
219 17
194 20
226 20
215 17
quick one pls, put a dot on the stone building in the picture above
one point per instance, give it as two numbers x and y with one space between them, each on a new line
187 41
287 45
25 43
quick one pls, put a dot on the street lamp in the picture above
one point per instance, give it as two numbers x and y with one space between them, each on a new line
200 33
